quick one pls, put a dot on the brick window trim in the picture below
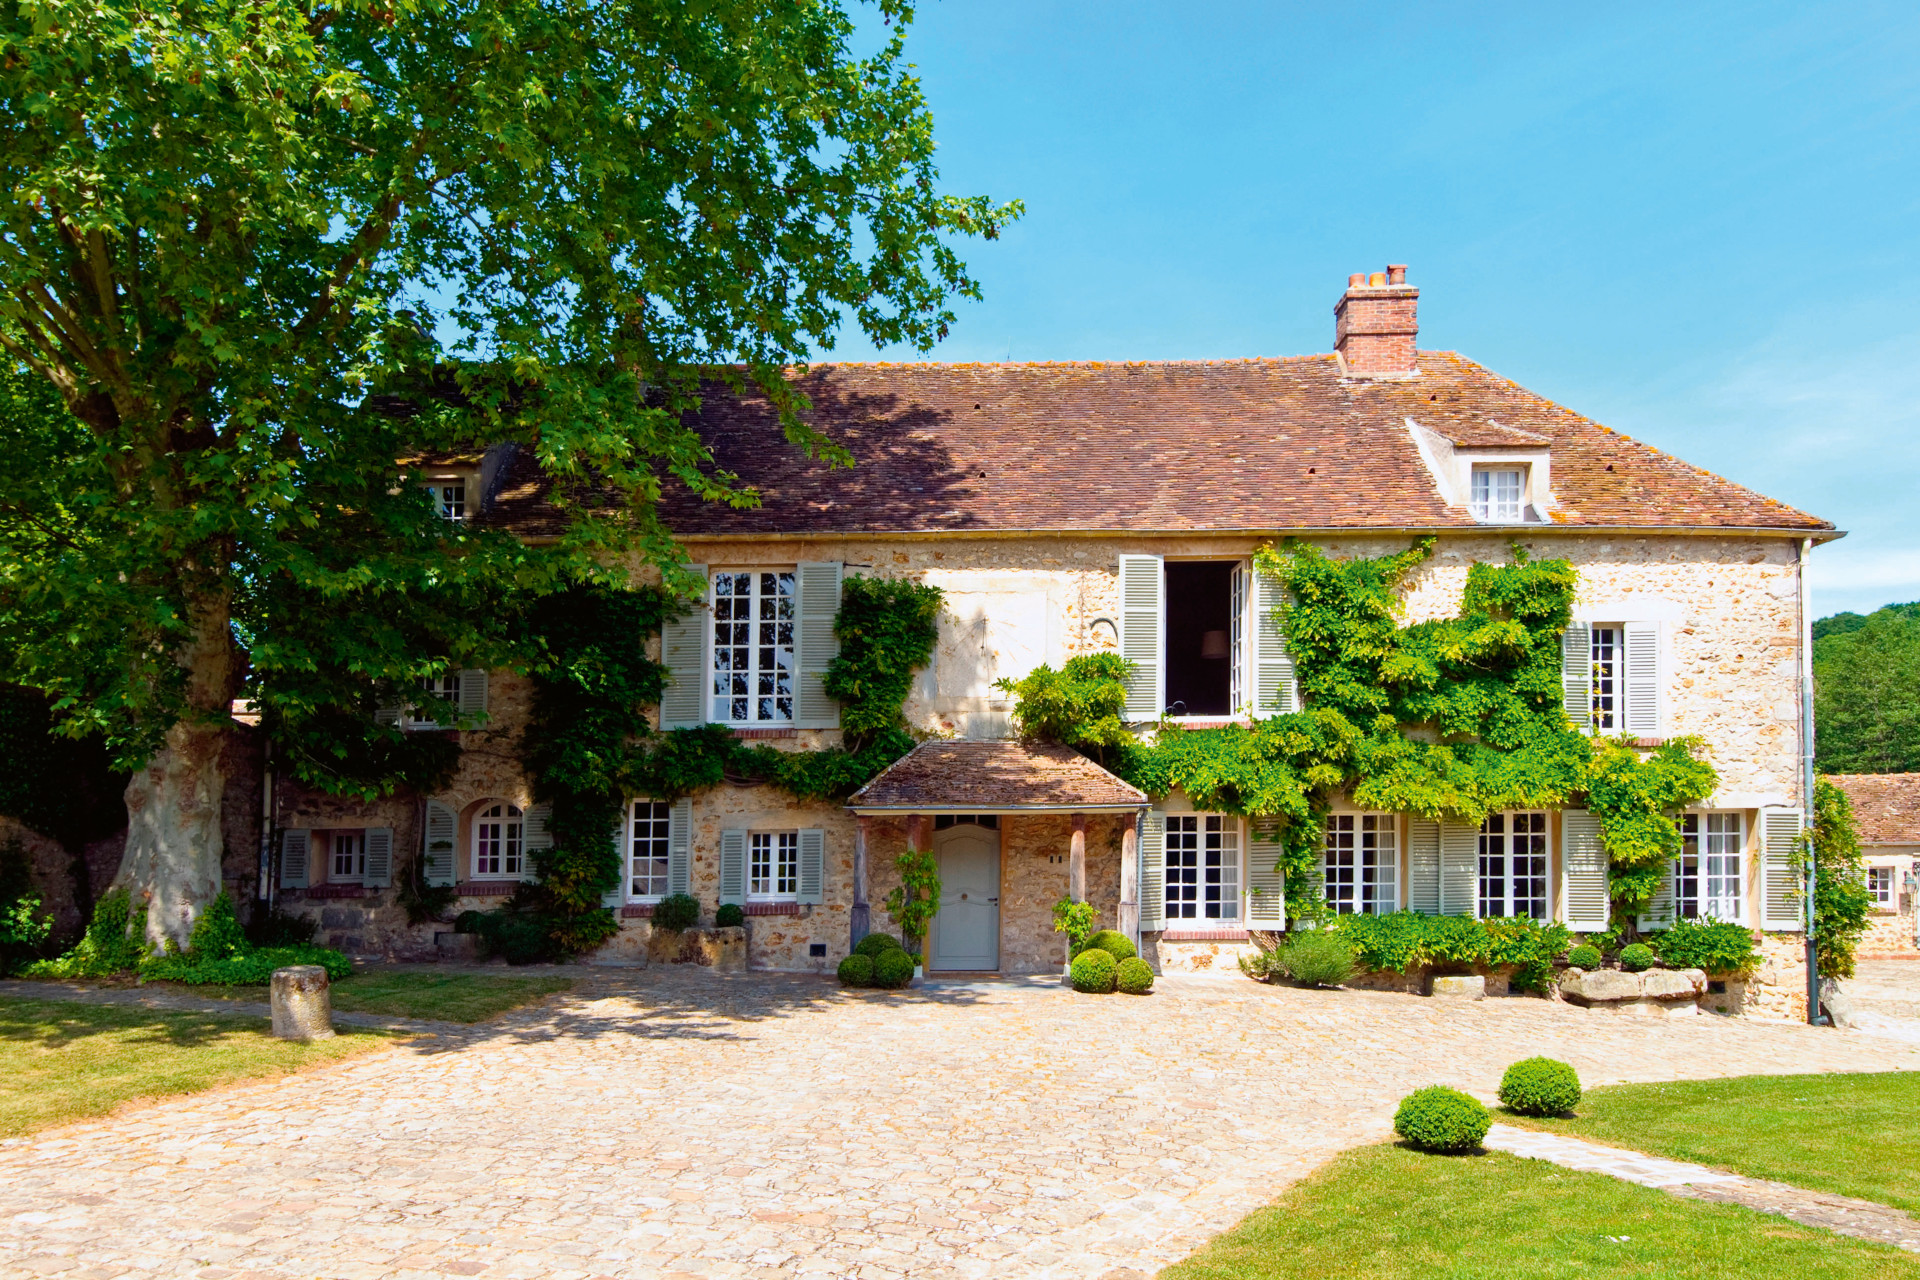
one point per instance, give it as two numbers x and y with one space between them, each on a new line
1204 935
774 909
762 735
487 888
335 891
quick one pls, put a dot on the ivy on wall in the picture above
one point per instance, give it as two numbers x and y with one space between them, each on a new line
589 744
1453 718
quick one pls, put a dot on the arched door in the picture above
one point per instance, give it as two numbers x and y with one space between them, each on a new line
966 933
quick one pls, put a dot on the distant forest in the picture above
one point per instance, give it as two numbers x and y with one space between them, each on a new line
1866 699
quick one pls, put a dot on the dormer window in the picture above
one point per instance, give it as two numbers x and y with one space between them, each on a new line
450 497
1497 495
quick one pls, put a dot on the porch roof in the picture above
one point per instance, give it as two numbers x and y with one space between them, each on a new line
995 777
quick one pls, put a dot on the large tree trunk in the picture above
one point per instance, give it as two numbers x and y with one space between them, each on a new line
174 837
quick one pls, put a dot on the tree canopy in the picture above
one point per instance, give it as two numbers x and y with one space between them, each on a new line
257 251
1867 693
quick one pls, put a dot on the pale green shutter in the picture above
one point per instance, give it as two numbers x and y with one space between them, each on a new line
295 846
473 696
1142 635
379 872
1423 866
1459 869
617 895
534 837
1642 643
813 866
683 651
680 846
1576 674
1659 912
1583 872
387 713
1266 886
1781 861
1275 691
1153 871
437 859
733 867
815 646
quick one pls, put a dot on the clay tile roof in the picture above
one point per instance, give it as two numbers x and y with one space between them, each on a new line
1224 445
1886 806
958 777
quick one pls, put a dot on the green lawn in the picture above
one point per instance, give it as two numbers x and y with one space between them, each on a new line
61 1061
1858 1135
1389 1213
443 997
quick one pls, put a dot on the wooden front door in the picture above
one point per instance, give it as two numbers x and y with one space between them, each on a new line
966 933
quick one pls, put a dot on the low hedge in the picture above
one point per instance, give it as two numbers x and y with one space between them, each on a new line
676 912
1716 946
1133 976
892 969
856 971
1441 1119
1113 942
1584 957
1540 1087
218 952
730 915
875 943
1315 958
1637 958
1094 972
1404 940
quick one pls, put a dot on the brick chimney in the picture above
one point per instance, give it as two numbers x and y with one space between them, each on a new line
1374 324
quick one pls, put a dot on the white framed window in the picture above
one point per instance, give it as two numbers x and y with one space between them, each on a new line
346 856
1606 684
1707 876
449 498
499 843
447 687
647 826
773 866
1361 864
1496 494
1237 607
1880 886
1203 867
754 615
1513 865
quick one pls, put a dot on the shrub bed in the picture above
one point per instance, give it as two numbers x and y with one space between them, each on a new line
1540 1087
1441 1119
1406 940
731 915
677 912
1316 958
217 953
1714 946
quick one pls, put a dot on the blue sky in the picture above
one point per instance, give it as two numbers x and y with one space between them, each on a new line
1695 223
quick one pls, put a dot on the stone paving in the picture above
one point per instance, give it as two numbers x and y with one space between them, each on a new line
667 1123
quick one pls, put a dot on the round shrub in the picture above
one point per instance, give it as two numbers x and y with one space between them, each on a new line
856 971
1316 958
731 915
1637 957
1540 1087
1134 976
681 911
892 969
1093 972
874 943
1113 942
1437 1118
1584 956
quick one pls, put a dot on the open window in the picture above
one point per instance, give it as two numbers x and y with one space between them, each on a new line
1203 640
1200 627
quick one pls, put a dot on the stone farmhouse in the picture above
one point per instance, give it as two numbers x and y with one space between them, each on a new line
1886 812
1066 508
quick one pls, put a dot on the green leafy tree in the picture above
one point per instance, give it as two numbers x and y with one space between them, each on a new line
1840 898
1867 693
255 251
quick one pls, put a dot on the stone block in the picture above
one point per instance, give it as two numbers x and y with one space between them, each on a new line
722 950
626 949
1599 986
1673 984
1469 986
1836 1003
461 947
302 1002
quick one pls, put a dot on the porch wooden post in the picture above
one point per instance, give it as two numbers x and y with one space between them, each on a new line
1129 922
1077 861
860 919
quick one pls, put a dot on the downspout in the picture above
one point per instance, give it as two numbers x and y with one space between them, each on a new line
1806 776
264 892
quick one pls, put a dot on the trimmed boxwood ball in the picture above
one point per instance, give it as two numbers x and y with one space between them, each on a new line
680 911
1584 956
731 915
892 968
1437 1118
1113 942
1540 1087
1093 971
1134 976
856 971
1637 957
874 943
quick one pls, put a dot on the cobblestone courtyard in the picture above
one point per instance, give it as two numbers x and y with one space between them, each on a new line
674 1123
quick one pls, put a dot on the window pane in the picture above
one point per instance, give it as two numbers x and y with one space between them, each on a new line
1183 867
1605 677
753 661
648 850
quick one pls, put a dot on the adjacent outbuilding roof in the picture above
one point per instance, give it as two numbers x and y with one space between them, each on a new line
1886 806
1232 445
995 777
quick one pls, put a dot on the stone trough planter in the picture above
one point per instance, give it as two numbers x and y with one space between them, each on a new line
722 950
1657 993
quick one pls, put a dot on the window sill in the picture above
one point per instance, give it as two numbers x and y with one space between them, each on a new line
763 735
774 909
487 888
636 911
1216 934
335 891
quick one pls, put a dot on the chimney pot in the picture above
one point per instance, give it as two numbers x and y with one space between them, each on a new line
1376 323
